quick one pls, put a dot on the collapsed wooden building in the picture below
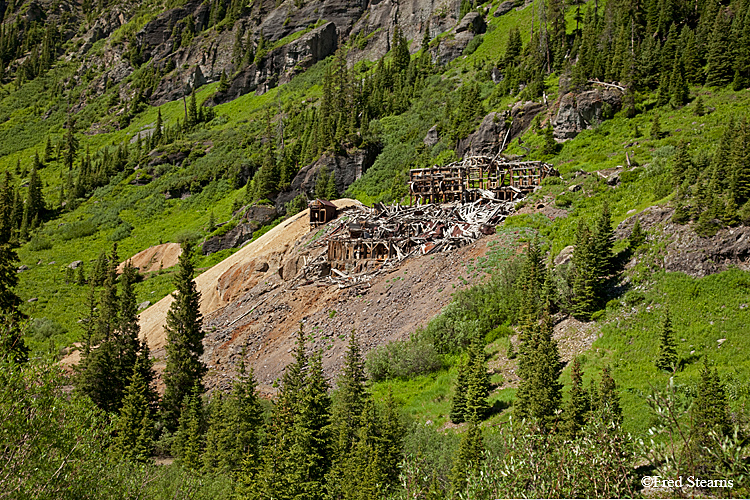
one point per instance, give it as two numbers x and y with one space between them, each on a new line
476 177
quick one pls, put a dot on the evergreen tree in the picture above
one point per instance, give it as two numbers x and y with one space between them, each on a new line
223 82
469 458
710 419
331 193
12 345
477 405
637 235
321 183
184 371
584 274
156 136
578 406
656 132
720 68
540 391
608 395
135 428
458 404
603 240
667 359
35 208
189 440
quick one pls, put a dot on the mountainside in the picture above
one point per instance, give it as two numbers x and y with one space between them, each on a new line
610 305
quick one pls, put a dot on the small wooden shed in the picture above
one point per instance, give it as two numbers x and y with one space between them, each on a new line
321 212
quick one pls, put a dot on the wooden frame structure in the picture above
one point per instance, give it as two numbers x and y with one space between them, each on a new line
321 212
477 176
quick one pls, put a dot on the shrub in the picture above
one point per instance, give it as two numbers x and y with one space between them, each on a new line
185 236
39 243
121 232
403 358
77 229
564 200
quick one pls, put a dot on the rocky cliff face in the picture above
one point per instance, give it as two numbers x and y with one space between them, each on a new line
493 131
578 112
347 168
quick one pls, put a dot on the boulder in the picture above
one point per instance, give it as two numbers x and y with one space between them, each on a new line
491 133
232 239
504 8
565 255
144 305
260 215
261 267
473 22
432 137
75 264
584 110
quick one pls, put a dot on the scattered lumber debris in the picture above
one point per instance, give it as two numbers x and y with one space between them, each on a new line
477 193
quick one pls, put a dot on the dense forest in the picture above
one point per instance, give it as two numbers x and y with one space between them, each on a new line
107 149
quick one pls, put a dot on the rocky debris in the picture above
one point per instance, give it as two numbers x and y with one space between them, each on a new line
432 137
261 267
33 299
504 8
75 264
578 112
565 255
686 251
22 268
104 26
144 305
574 188
347 168
231 239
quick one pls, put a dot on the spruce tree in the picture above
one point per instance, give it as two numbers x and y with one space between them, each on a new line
608 395
135 430
469 458
584 274
321 183
12 345
710 419
477 406
656 132
458 403
184 370
578 406
667 359
603 240
720 71
189 440
637 235
540 391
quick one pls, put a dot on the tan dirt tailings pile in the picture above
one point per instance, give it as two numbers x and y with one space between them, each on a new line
269 248
154 258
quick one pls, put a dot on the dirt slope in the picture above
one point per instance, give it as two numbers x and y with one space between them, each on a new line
154 258
270 248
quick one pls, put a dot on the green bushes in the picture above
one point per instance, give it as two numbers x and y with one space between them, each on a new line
77 229
38 243
121 232
403 358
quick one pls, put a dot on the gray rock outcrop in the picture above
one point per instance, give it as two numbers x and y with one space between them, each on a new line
578 112
232 239
491 133
347 168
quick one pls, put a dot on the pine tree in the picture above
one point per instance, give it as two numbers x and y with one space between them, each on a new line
578 407
458 404
12 345
477 405
135 428
584 274
710 419
608 395
719 72
637 235
184 370
603 241
667 359
321 183
156 136
656 132
331 193
540 391
35 207
469 457
189 440
223 82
